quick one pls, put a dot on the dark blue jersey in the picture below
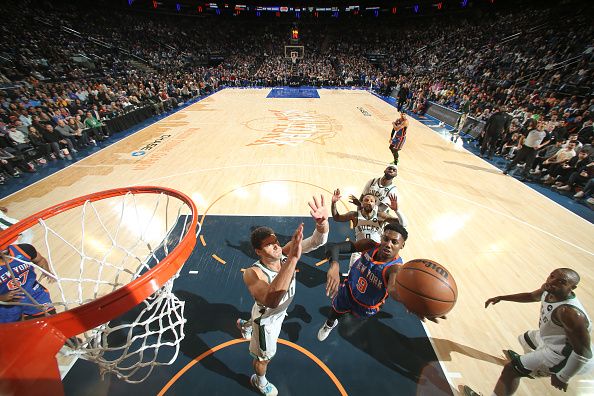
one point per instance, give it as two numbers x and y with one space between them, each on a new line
19 262
367 280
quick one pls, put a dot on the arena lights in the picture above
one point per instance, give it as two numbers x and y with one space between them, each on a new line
416 8
178 7
130 2
464 3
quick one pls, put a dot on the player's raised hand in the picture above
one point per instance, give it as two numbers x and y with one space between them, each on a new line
393 202
355 201
493 300
318 211
295 250
12 296
336 197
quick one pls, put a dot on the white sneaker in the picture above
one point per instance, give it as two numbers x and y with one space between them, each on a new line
325 330
578 194
590 201
245 328
266 390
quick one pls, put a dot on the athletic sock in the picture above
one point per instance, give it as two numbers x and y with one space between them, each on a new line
262 381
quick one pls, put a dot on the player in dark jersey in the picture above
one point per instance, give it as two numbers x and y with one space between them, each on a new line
398 136
371 279
22 295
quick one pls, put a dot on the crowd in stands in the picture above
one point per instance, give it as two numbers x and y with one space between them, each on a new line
67 70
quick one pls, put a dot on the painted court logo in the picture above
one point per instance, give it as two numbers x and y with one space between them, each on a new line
364 112
150 146
293 127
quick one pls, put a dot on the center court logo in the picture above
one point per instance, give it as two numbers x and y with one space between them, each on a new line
293 127
150 146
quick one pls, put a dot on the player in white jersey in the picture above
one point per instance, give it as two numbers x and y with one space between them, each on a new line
368 221
6 221
382 188
271 281
560 348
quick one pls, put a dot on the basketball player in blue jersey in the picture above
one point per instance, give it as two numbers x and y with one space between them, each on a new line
271 281
398 136
23 297
368 221
371 279
560 348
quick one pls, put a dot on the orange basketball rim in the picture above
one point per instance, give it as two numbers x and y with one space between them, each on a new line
28 355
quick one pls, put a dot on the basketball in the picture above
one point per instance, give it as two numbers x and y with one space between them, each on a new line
426 288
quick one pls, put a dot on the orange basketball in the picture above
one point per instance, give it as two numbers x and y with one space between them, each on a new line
426 288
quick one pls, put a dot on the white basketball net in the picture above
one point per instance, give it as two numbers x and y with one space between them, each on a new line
119 239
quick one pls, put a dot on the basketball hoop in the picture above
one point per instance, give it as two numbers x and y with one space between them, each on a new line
131 245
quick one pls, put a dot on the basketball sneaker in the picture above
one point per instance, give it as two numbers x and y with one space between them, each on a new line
245 328
325 330
266 390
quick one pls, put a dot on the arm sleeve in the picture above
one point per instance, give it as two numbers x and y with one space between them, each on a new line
333 251
573 366
316 240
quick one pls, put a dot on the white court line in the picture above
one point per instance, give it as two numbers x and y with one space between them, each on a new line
350 170
192 272
447 374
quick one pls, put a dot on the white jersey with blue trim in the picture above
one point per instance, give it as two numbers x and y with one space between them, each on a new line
267 315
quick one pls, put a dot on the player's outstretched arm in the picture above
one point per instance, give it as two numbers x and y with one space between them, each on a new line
520 297
337 216
386 218
333 253
319 213
575 324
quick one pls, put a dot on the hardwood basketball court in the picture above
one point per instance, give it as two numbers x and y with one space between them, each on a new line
240 153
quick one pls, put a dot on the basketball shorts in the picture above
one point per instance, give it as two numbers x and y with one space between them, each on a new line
14 313
344 303
10 313
539 360
41 297
265 337
397 143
